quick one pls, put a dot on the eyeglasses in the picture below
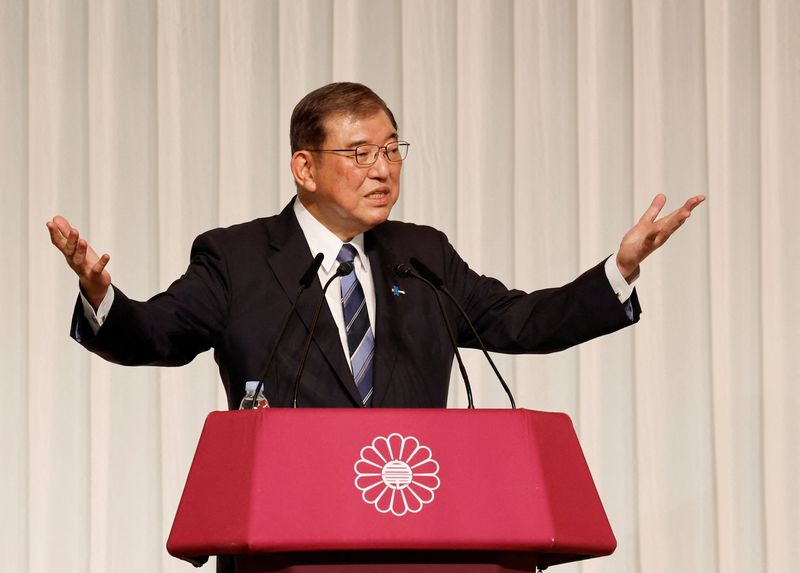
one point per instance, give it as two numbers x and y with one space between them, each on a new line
367 154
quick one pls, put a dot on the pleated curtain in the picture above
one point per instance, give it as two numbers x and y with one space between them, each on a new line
540 132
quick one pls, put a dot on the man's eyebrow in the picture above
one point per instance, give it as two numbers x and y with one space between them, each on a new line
358 142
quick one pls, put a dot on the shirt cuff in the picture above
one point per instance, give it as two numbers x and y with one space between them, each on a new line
621 287
96 319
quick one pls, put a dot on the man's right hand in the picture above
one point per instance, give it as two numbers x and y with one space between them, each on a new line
82 259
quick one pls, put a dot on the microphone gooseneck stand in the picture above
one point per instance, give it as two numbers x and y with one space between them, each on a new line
438 283
343 269
402 270
305 282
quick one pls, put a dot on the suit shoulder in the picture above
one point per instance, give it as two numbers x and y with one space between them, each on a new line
250 233
404 241
410 232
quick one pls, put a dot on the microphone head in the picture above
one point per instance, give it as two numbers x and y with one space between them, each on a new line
344 269
426 273
311 271
401 270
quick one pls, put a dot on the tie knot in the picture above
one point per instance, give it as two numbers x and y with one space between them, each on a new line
346 254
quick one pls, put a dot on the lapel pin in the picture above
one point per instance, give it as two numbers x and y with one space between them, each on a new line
396 290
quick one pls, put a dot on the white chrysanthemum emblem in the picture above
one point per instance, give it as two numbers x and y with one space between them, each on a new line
396 474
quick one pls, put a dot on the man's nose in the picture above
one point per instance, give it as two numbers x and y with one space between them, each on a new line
380 169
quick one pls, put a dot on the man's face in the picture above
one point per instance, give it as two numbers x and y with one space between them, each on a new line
349 198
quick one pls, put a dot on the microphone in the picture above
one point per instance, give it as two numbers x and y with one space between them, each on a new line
311 272
402 270
342 270
438 283
305 282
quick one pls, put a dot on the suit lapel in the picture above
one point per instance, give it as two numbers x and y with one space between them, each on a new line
388 310
290 259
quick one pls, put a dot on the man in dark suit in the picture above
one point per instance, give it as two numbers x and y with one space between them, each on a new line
392 350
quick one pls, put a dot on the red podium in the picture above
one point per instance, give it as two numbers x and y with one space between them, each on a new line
313 490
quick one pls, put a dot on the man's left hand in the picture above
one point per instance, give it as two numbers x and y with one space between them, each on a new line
650 233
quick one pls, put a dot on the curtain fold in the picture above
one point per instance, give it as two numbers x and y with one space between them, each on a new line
540 131
780 280
14 204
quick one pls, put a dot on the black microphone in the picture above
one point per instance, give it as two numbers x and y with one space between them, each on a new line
311 272
402 270
305 282
343 269
438 283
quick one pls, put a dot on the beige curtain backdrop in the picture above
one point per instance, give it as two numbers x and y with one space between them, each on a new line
540 131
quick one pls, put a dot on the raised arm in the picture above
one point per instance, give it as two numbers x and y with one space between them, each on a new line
82 259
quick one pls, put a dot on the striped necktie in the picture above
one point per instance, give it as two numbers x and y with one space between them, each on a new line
360 341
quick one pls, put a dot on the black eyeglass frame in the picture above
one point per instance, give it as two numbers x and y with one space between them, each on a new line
385 148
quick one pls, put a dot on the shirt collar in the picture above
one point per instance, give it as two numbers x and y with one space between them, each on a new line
320 239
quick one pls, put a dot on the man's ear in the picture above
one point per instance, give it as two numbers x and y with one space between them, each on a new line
304 170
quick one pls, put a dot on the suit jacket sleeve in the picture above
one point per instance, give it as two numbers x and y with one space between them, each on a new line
547 320
171 328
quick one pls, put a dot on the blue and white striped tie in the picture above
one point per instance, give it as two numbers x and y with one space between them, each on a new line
360 341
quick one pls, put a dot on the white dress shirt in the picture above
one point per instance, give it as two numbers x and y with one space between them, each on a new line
321 240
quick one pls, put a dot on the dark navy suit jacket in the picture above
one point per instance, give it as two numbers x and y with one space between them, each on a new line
242 280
